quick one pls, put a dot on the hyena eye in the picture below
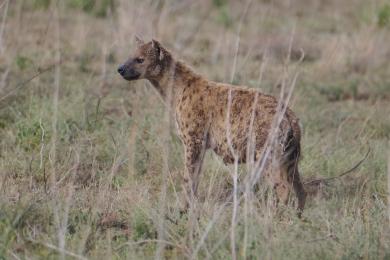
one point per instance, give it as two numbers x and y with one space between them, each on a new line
139 60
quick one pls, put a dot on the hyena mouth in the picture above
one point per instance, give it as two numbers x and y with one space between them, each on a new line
128 74
132 76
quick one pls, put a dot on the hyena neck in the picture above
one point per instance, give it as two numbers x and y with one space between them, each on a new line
174 78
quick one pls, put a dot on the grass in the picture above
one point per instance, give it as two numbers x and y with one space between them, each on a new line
83 177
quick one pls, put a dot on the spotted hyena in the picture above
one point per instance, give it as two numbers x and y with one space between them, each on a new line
230 120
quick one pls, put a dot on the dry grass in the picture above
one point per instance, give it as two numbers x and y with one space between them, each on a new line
91 165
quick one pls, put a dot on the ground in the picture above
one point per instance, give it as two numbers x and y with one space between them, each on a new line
90 163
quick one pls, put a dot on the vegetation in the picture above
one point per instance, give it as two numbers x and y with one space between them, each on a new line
83 153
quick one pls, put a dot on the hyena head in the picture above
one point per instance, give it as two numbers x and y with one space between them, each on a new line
147 62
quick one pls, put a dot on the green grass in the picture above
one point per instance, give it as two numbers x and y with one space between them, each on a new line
93 180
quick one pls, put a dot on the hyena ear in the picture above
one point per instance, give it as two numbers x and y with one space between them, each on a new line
139 40
157 46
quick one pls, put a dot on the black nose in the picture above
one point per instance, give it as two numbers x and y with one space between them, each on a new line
121 70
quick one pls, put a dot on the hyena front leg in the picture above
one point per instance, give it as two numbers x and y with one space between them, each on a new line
194 154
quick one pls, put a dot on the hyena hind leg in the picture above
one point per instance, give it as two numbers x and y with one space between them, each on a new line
289 178
282 188
294 179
